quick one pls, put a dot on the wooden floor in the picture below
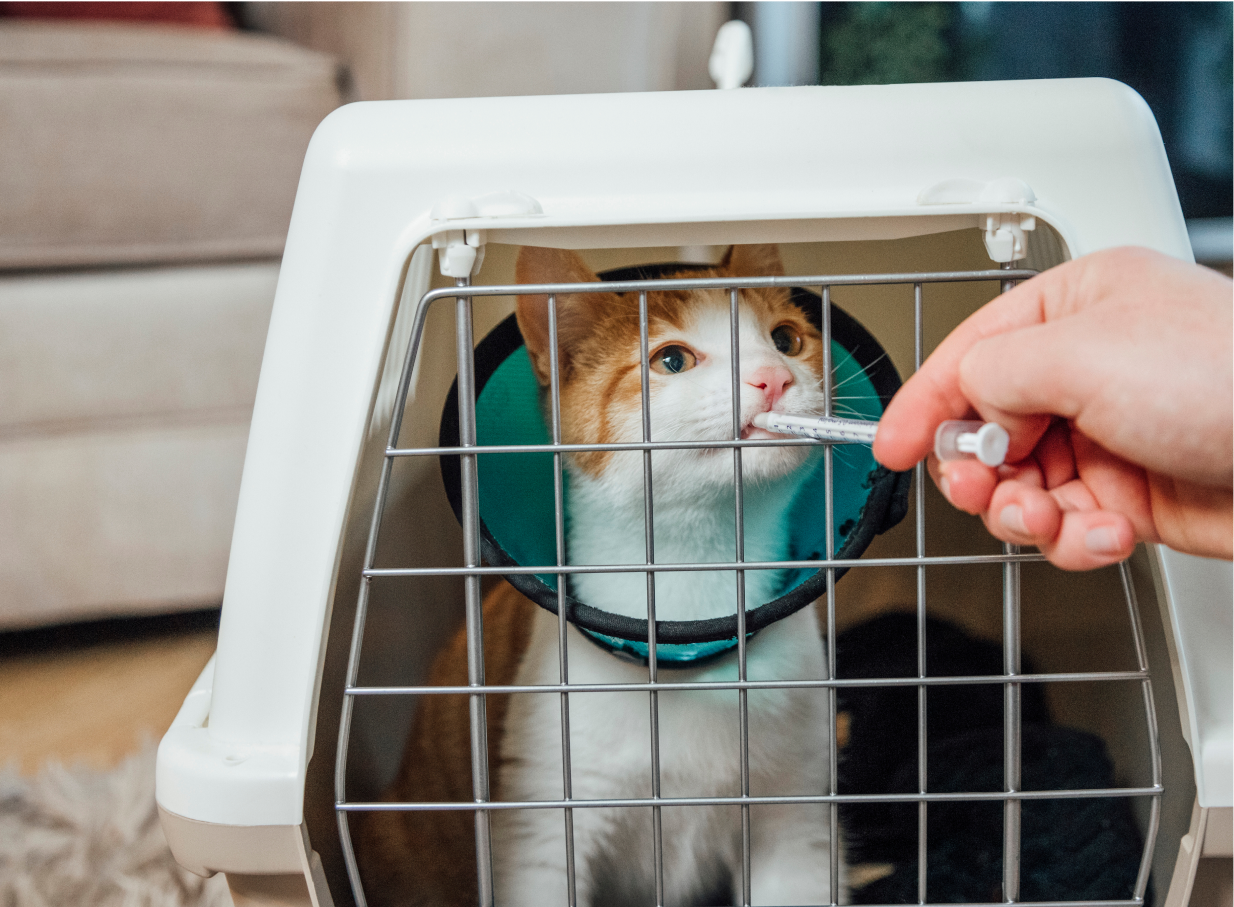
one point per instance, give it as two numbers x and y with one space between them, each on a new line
93 694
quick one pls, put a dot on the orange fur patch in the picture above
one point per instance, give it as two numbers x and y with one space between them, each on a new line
598 334
429 857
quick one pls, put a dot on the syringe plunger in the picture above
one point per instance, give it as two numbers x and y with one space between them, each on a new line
986 441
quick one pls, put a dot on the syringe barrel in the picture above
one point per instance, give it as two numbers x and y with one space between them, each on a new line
820 428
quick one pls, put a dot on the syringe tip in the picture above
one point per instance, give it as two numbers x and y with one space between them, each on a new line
760 420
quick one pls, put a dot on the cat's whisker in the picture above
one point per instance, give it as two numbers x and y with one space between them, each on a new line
865 371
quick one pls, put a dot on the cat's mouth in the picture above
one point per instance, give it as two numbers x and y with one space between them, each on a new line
751 432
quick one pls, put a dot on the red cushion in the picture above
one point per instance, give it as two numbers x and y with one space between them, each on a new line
197 15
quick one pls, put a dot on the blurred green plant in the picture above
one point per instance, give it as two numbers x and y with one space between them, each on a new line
884 43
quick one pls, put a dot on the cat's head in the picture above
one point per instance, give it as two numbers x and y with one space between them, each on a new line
691 384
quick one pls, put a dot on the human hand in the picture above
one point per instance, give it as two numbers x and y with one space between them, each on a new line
1113 375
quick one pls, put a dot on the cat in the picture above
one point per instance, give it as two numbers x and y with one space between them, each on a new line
422 858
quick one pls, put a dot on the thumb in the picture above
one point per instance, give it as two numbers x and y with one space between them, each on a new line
1023 378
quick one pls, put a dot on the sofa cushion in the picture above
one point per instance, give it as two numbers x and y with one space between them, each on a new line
117 522
127 144
93 348
126 405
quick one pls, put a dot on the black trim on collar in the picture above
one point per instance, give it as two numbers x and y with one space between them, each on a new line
885 506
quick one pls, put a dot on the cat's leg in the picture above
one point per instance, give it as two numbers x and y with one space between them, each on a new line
790 856
791 843
530 866
529 862
529 845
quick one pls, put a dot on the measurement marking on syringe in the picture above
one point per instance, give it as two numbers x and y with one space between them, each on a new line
986 441
820 428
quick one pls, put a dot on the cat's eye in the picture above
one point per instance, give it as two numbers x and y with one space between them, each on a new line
787 340
672 359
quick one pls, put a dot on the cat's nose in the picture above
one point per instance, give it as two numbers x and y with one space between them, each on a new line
772 380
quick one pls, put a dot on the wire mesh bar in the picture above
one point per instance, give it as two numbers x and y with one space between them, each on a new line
817 564
1012 723
1012 752
715 685
470 496
482 805
610 802
357 633
833 746
728 283
657 829
1084 903
559 529
919 532
743 712
344 737
1150 717
612 446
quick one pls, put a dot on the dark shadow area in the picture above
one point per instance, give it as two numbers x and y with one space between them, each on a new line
84 634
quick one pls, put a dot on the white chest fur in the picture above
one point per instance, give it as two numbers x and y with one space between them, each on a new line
699 741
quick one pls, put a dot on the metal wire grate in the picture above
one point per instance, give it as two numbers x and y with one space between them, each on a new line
1011 680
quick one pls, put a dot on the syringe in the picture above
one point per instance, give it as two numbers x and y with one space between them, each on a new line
954 440
820 428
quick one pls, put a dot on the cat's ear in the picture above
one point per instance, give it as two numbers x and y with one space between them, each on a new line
537 265
753 261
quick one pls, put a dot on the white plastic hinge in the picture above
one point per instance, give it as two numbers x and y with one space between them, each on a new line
1004 231
460 252
1004 235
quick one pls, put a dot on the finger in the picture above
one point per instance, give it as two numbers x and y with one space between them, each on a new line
933 394
968 484
1064 524
1091 539
1024 514
1115 484
906 430
1075 496
1055 456
1014 377
965 483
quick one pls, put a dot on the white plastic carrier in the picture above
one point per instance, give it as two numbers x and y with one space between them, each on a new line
1034 172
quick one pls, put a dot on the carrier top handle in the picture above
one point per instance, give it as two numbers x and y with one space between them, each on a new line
732 56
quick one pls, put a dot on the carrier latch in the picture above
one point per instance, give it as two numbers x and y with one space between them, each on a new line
1004 231
1004 235
461 252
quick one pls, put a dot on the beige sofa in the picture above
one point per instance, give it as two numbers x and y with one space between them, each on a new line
146 182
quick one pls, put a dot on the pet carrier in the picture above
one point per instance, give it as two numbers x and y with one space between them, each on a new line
904 206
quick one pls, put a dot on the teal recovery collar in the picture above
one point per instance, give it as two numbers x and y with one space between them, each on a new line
516 498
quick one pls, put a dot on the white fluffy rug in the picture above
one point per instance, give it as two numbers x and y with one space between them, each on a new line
76 836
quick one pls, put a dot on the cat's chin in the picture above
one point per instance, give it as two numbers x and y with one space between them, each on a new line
769 463
754 433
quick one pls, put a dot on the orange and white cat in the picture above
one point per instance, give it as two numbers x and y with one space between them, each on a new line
691 399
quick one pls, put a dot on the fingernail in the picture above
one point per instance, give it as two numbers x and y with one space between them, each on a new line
1011 518
945 487
1102 540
